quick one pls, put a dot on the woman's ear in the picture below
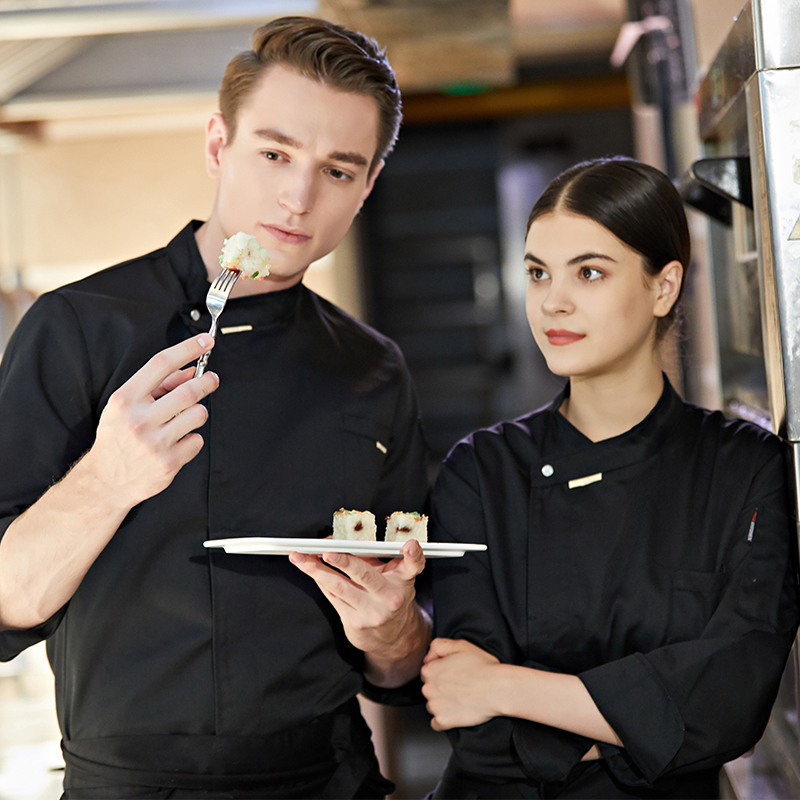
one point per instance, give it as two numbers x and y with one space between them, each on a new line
668 284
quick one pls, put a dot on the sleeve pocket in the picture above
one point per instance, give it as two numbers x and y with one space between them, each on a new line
695 597
365 443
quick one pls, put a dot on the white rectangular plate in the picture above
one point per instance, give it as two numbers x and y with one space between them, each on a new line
278 546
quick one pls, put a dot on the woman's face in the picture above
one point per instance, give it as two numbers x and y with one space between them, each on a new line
592 308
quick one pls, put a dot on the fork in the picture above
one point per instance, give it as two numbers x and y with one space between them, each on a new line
215 301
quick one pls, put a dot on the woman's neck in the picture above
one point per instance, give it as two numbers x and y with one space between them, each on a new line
604 406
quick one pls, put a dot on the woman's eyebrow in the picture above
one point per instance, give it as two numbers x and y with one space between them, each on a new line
590 257
577 260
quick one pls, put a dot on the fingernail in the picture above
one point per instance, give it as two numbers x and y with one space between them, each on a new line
204 340
333 558
214 376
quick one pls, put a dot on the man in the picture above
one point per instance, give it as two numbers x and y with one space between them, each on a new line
181 671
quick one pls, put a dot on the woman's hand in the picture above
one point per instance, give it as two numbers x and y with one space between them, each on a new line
459 679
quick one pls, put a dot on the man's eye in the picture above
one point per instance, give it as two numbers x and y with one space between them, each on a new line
271 156
338 175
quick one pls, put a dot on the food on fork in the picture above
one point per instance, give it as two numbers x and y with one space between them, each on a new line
354 525
243 254
404 525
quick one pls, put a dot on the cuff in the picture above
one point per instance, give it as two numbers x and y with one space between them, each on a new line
636 704
547 754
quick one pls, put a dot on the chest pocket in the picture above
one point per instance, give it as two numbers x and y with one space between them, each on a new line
695 597
365 444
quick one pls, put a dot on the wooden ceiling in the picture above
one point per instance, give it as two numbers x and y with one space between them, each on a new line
438 43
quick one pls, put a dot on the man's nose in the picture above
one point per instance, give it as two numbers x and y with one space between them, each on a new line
297 192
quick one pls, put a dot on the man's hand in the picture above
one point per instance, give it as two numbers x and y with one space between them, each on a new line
145 432
144 437
375 601
458 680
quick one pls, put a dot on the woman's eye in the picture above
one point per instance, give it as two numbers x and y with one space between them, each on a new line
537 274
591 274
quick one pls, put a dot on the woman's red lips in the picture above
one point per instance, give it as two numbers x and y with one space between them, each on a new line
562 337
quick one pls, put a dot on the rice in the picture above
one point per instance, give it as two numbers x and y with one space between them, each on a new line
404 525
243 254
358 525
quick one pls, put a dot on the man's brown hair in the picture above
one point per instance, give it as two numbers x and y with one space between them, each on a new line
345 60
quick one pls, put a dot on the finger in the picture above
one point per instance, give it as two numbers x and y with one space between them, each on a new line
413 559
357 569
183 397
444 647
144 382
184 422
173 381
329 580
325 578
187 448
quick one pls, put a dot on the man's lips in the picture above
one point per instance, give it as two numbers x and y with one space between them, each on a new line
287 235
562 337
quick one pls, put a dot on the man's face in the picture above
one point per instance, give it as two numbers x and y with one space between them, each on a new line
296 173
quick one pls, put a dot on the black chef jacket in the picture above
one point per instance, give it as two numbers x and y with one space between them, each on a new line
665 581
173 661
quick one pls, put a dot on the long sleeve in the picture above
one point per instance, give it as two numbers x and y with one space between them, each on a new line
45 384
404 481
466 606
698 703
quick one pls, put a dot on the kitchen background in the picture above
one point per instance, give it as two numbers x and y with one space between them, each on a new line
102 113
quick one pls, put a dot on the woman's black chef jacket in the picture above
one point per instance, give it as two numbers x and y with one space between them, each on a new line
170 658
665 581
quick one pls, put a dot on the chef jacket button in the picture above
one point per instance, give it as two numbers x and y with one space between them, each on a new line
547 470
194 314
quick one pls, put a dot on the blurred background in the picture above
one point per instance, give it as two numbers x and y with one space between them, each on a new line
102 114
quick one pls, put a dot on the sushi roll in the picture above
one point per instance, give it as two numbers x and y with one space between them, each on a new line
354 525
243 254
404 525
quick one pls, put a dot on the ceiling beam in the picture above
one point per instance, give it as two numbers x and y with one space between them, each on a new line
437 43
53 19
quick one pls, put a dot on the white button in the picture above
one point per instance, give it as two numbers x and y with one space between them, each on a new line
547 470
194 314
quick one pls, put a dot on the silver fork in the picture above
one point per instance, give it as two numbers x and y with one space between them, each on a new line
215 301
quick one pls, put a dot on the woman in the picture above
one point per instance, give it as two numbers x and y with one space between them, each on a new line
626 630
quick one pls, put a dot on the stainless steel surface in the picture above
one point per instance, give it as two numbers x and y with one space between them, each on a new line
775 27
728 73
774 111
750 106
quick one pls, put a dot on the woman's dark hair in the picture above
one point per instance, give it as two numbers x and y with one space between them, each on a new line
636 202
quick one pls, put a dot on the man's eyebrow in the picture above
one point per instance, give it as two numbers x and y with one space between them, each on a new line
276 136
273 135
356 159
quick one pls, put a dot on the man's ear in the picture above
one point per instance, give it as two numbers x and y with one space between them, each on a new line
370 183
669 287
216 139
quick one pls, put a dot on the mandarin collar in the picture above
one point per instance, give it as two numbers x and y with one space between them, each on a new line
259 311
571 455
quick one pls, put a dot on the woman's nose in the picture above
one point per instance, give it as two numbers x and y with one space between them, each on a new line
557 300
